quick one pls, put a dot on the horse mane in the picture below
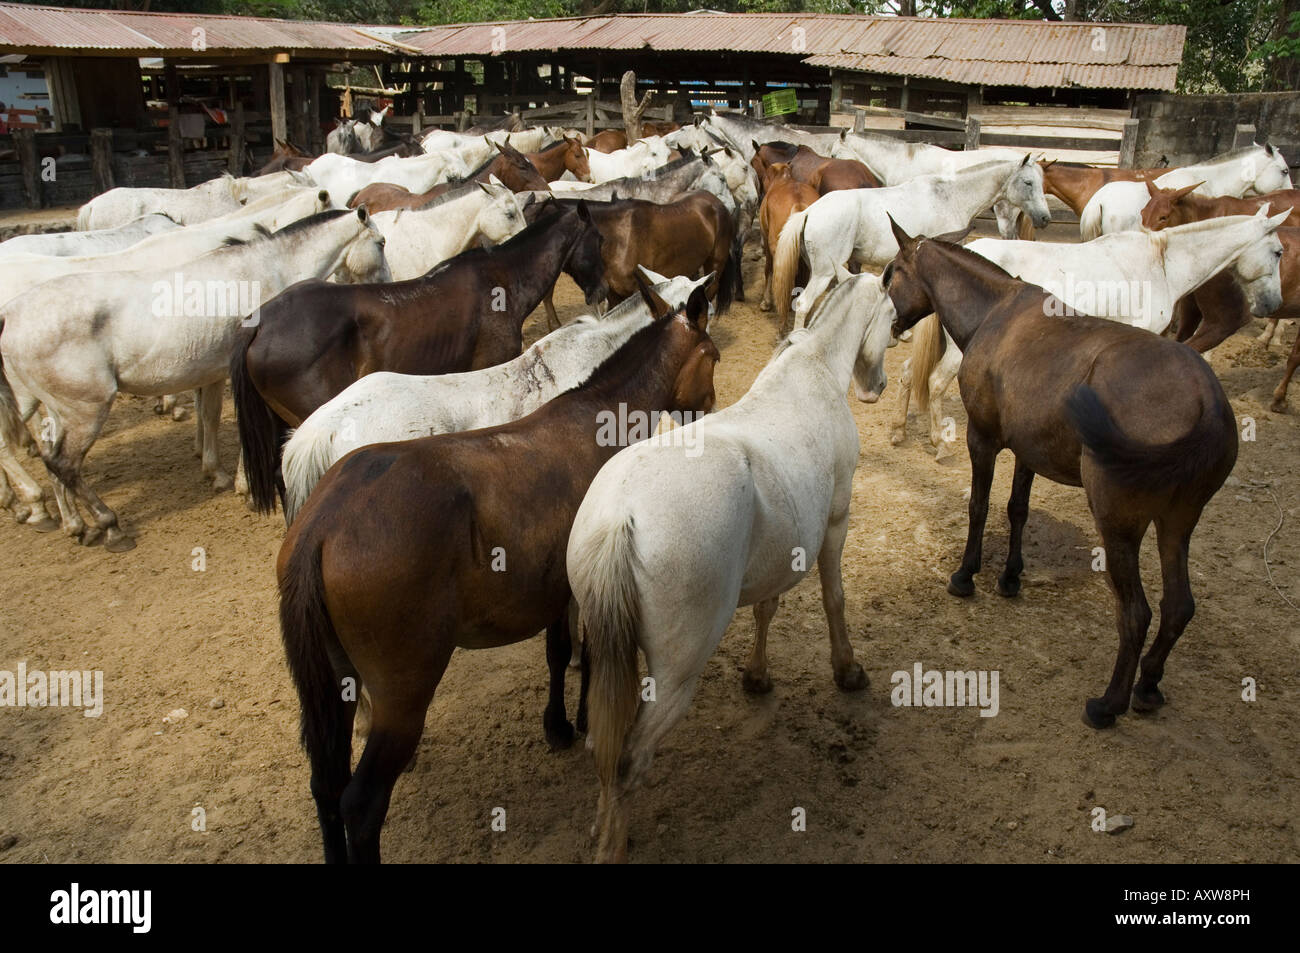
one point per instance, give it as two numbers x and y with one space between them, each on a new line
487 162
469 255
451 195
260 231
672 166
550 147
1238 153
631 361
312 220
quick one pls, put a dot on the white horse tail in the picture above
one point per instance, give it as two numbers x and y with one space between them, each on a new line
927 349
83 218
307 455
12 429
1090 221
785 263
605 562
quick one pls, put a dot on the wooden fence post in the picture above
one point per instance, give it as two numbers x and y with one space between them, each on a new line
175 148
25 146
101 160
859 121
1128 144
972 134
591 114
235 161
275 84
1243 136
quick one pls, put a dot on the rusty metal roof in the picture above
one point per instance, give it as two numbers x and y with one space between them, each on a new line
978 52
27 28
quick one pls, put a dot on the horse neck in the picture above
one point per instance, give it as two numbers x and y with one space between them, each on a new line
1193 253
641 375
1072 186
962 287
839 326
314 252
973 190
524 259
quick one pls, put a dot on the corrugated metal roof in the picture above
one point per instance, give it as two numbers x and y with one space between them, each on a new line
982 52
25 27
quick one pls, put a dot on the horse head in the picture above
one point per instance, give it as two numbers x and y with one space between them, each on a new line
903 284
586 265
693 389
363 260
1024 189
502 216
869 379
1257 269
1166 207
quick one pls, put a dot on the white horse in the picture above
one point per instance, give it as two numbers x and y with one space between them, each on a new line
343 176
186 206
167 249
74 345
1252 170
419 239
676 533
526 140
853 224
98 242
637 159
742 132
370 133
1133 278
382 407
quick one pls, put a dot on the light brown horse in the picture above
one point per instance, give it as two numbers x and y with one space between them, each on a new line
1085 402
838 174
608 140
285 156
510 166
1074 183
783 195
406 551
650 127
566 155
692 235
1170 207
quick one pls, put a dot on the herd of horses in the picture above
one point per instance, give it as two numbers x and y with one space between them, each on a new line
444 487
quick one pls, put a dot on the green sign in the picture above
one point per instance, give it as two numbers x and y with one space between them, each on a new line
780 103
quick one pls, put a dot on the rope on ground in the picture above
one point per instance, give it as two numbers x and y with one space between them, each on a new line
1281 517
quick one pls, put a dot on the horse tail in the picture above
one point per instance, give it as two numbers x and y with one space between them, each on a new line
309 642
83 217
1090 221
785 260
261 431
729 282
1139 465
605 562
928 345
307 455
12 429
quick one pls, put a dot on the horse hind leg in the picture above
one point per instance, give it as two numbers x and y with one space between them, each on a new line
394 737
898 429
559 652
1017 514
849 675
756 679
941 379
1177 607
208 404
1121 536
29 505
65 459
1279 395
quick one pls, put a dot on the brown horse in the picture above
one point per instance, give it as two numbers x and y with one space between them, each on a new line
803 162
510 166
783 195
1085 402
837 174
406 551
1169 207
691 235
316 337
661 128
608 140
565 155
285 156
1075 183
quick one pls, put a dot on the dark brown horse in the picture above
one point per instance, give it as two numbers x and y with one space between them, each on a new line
316 338
510 166
691 235
557 158
1084 402
1170 207
406 551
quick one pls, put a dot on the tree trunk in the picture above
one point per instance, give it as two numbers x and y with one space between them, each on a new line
1284 70
632 110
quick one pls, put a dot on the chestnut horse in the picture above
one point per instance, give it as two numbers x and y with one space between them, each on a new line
316 338
1074 183
691 235
608 140
285 156
557 158
1179 206
406 551
511 167
1084 402
783 195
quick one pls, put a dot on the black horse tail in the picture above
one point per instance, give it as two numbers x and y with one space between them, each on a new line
1147 466
737 258
261 432
728 281
309 642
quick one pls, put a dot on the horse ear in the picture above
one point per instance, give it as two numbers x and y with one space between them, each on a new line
697 309
659 308
906 243
362 213
844 134
1177 194
954 238
1280 218
1026 160
1268 149
583 212
323 196
754 143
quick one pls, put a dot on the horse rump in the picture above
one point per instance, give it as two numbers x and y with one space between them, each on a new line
1154 467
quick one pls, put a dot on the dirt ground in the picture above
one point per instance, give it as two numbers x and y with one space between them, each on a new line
1209 778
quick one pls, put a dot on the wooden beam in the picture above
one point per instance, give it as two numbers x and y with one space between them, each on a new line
275 88
101 160
1128 144
972 141
25 146
235 161
175 148
298 103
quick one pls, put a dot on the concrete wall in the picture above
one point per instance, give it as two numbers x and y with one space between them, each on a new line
1193 128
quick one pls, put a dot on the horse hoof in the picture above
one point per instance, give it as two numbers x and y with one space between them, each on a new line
119 543
1008 587
852 679
222 482
1147 701
46 525
960 585
1278 406
1095 714
410 765
179 413
756 684
765 306
906 335
896 438
560 737
581 722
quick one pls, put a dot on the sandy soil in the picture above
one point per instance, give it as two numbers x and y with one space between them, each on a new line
1209 778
